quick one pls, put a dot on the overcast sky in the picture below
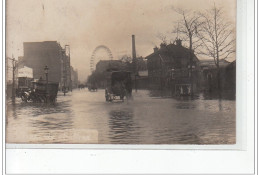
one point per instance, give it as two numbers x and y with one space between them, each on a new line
86 24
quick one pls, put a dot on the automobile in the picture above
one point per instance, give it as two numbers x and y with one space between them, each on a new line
40 92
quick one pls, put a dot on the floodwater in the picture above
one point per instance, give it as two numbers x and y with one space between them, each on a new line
85 117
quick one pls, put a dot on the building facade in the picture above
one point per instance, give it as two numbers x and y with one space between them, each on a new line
74 78
37 55
169 67
227 76
66 82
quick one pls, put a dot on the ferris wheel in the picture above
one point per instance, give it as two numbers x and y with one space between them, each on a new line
98 48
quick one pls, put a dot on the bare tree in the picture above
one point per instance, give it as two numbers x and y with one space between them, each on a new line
217 37
187 29
162 37
126 59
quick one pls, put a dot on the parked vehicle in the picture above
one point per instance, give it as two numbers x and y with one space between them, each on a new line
41 92
92 87
24 84
119 84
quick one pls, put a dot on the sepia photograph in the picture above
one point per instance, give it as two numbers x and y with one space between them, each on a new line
138 72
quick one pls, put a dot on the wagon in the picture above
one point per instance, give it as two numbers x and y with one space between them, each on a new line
118 85
92 87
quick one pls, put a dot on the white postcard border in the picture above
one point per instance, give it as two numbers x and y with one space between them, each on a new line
216 159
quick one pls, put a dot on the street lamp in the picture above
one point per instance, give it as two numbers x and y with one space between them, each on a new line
46 71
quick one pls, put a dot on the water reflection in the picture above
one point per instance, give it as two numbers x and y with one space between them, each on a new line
122 126
42 118
77 117
37 109
185 105
220 104
225 95
53 123
189 138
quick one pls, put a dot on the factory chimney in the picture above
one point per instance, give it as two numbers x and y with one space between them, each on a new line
134 60
133 47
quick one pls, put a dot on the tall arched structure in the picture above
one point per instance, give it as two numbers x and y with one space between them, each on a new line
92 60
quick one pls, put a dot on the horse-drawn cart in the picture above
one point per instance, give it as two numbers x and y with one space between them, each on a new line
118 85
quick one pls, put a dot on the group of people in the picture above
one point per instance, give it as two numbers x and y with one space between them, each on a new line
183 90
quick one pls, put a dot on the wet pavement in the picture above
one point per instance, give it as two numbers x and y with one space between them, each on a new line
85 117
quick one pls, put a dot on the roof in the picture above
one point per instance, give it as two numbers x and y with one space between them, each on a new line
40 42
232 65
211 63
172 49
41 45
103 65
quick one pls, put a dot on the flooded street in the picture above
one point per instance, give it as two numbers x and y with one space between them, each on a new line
85 117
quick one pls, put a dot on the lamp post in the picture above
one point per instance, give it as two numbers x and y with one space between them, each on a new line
13 84
46 71
161 73
172 78
191 67
67 53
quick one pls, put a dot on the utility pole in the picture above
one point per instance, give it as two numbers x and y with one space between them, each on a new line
64 58
13 84
46 71
191 65
161 74
69 71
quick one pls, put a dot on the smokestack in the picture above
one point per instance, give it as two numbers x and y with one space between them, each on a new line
133 47
134 60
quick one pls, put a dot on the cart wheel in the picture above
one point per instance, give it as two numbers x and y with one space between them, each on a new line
44 99
24 98
38 99
106 95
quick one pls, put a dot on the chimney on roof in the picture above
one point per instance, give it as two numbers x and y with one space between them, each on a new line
163 45
178 42
155 49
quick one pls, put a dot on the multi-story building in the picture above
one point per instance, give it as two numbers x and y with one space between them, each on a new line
74 78
169 67
66 83
37 55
